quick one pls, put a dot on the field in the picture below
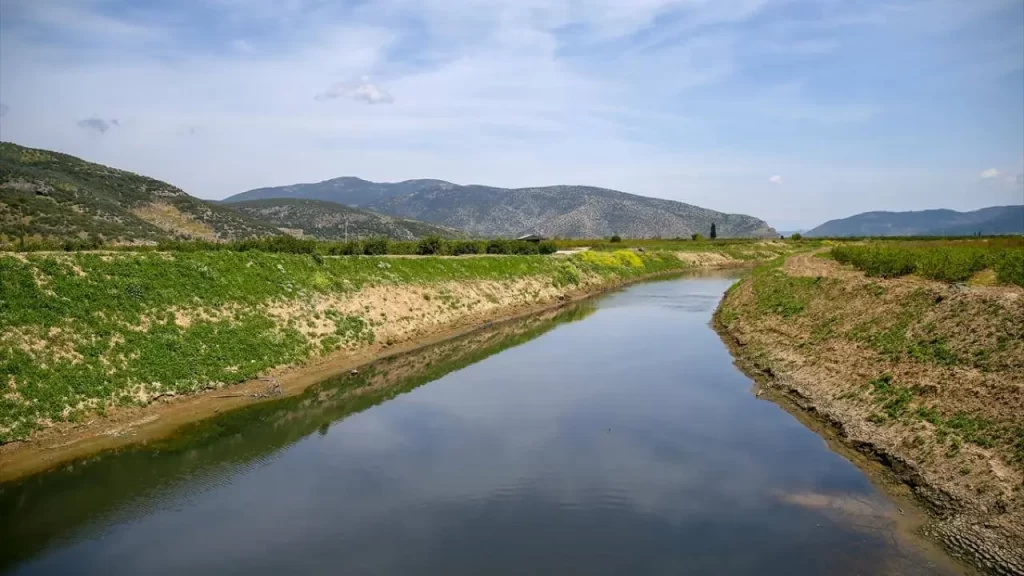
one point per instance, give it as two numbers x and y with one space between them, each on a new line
943 260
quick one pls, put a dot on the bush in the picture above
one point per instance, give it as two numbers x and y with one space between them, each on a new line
547 248
697 237
615 238
375 246
498 246
429 245
460 247
523 247
796 236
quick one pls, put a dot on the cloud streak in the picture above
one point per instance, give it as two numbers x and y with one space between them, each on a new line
98 124
362 91
990 174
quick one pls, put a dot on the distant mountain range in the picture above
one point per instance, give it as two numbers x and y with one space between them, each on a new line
332 221
563 211
48 195
988 221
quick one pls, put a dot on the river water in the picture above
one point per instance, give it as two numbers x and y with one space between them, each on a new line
614 437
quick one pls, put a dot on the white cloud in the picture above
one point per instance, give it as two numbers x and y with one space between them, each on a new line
990 174
363 90
776 179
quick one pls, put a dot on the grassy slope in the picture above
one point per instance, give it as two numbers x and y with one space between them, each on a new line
57 196
82 331
928 374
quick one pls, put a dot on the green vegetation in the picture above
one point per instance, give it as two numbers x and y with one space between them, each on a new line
779 293
947 261
82 331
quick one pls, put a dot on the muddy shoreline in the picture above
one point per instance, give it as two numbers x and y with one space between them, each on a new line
944 516
134 425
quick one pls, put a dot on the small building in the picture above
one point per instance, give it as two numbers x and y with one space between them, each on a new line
531 238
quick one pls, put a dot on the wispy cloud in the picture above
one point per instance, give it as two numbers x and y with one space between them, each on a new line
4 108
776 179
98 124
990 174
364 91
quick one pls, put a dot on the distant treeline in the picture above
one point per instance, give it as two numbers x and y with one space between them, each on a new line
429 246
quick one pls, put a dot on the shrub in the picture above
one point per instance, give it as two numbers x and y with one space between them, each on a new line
615 238
547 248
429 245
375 246
697 237
498 246
460 247
522 247
796 236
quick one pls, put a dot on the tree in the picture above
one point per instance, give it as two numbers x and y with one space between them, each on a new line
616 238
795 236
714 232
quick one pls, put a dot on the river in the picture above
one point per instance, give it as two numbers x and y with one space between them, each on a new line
612 437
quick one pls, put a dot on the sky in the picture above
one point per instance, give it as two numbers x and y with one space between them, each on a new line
795 111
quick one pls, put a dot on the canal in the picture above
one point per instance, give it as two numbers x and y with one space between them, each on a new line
611 437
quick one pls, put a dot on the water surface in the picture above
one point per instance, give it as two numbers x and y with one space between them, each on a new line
615 437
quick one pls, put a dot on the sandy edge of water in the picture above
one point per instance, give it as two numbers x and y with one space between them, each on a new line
137 425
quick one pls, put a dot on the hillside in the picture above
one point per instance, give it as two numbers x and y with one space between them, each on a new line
331 221
57 196
563 211
987 221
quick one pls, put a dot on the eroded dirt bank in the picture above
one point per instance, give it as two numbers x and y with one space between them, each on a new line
926 378
348 328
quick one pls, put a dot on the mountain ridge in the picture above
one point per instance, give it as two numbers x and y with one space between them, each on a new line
993 220
332 221
561 210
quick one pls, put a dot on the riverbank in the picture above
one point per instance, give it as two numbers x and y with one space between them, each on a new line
923 376
106 349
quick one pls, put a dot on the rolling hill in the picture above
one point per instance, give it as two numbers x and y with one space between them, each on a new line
57 196
331 221
987 221
564 211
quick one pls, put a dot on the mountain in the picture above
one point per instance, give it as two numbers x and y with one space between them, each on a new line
564 211
53 195
332 221
988 221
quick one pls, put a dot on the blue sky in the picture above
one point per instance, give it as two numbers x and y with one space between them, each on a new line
795 111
